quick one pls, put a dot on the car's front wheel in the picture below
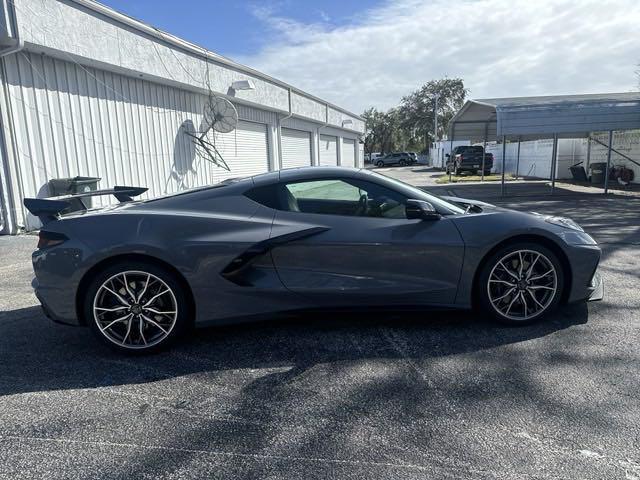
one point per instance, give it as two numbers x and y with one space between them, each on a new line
136 307
521 283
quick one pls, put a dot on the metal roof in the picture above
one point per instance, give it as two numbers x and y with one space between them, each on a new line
530 118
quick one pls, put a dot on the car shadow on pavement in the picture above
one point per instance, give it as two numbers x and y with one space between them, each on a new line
37 355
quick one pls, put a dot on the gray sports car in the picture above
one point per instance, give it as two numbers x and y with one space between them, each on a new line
141 273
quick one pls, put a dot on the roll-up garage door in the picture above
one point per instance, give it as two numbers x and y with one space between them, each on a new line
296 148
328 150
245 150
348 158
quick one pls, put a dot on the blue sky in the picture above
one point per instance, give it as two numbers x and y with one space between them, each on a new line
366 53
236 28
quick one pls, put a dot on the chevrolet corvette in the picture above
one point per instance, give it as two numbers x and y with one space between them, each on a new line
142 273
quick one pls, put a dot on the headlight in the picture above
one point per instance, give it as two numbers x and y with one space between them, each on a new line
564 222
574 237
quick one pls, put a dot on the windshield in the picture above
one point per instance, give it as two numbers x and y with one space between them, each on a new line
474 149
419 194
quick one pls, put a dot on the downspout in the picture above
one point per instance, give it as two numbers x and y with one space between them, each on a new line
10 43
326 124
279 129
13 43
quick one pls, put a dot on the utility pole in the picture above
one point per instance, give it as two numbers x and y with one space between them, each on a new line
435 123
435 117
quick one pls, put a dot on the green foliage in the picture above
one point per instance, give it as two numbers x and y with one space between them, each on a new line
381 130
410 126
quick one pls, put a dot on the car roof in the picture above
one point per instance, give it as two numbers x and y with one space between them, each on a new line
304 173
240 184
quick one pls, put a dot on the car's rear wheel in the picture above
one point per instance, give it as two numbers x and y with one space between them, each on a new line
380 163
521 283
403 163
136 307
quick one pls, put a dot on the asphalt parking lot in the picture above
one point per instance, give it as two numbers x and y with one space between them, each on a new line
338 395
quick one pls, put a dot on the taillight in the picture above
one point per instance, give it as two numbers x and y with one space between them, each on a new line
461 157
50 239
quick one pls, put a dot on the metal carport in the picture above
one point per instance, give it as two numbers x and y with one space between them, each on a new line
534 118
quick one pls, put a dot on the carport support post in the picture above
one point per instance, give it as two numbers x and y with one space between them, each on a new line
450 152
554 159
484 148
606 173
518 159
504 156
586 167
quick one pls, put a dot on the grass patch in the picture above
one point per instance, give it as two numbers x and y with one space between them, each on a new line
473 178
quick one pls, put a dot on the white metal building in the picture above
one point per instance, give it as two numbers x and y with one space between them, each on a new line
85 90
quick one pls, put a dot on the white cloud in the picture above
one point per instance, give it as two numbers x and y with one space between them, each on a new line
499 47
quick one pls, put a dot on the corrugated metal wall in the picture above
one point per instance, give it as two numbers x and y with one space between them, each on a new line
66 120
535 156
627 143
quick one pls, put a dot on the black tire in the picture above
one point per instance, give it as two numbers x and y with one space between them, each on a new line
487 173
403 163
482 287
380 164
179 325
457 170
474 172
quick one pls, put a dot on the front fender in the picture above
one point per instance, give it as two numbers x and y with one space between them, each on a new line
482 232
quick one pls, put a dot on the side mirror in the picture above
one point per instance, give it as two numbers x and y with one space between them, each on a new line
447 155
419 209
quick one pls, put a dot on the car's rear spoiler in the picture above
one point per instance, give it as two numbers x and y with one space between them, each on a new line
48 209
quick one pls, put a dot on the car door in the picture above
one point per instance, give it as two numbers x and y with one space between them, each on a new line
364 249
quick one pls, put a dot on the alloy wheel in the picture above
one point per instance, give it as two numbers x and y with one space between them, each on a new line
135 309
522 285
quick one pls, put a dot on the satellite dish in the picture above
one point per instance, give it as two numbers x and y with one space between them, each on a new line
220 114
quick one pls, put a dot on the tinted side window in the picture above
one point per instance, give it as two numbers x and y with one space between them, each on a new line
266 195
344 197
324 190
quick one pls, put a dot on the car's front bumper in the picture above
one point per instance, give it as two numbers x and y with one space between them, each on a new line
597 284
586 282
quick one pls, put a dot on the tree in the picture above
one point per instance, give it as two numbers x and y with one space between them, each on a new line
381 130
410 126
416 111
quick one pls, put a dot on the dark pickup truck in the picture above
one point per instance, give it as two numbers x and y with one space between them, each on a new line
469 159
